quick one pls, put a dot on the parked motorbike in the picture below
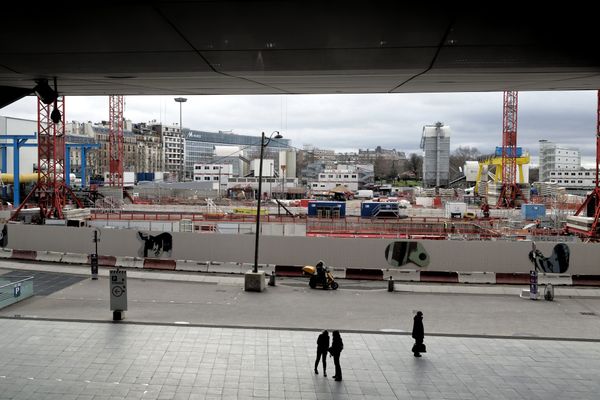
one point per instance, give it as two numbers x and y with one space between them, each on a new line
320 275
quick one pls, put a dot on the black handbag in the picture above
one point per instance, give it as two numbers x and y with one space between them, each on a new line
419 348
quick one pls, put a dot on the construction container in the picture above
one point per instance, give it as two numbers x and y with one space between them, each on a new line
455 209
326 209
531 212
374 209
519 151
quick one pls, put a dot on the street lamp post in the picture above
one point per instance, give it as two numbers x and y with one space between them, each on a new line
181 100
260 165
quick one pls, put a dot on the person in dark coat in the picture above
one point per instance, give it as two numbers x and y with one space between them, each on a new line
335 350
418 333
321 274
322 347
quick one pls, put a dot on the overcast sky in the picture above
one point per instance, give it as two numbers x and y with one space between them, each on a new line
349 122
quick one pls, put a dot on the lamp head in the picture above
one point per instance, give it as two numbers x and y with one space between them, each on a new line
277 135
46 94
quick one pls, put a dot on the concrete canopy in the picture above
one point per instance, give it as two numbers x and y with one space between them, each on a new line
295 47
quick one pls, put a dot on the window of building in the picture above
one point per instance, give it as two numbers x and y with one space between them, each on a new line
207 178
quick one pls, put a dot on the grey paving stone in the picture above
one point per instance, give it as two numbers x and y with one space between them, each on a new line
75 360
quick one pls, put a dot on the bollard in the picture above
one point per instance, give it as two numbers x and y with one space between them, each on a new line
549 292
391 284
272 279
94 265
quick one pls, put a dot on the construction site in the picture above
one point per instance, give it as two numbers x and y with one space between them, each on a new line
172 224
500 208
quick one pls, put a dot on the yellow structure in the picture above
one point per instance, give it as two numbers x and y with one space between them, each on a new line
23 178
497 161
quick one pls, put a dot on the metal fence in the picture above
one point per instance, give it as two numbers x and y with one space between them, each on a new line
15 289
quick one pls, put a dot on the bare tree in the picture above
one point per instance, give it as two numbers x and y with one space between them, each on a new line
415 165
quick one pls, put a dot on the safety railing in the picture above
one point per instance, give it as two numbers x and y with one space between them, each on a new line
15 289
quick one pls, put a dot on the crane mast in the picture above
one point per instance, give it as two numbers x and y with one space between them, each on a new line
115 141
510 191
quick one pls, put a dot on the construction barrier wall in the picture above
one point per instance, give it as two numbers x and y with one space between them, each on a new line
445 255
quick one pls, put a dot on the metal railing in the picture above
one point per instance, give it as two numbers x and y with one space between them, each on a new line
15 290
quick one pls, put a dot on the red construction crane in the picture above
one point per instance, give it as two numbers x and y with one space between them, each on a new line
115 140
51 189
591 206
510 191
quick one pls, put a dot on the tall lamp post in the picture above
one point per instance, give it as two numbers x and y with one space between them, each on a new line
263 144
181 100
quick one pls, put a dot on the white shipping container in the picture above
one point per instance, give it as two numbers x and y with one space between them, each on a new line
128 178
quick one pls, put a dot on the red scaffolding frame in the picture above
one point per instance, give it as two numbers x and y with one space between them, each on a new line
510 191
591 205
51 190
115 140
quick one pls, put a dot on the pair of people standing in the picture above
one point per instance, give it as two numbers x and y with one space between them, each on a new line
337 345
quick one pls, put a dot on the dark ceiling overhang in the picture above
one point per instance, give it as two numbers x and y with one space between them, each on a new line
295 47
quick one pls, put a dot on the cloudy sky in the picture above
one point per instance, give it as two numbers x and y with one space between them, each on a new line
349 122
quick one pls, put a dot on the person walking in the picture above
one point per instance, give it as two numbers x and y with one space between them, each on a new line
418 333
335 350
322 347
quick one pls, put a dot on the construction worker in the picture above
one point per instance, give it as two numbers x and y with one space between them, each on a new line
485 207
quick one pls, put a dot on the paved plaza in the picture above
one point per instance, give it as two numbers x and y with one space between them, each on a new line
203 337
79 360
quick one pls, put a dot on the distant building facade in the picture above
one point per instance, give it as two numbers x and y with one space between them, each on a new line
557 158
149 157
582 179
200 148
354 177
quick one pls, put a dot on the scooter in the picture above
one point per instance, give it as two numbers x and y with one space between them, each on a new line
320 275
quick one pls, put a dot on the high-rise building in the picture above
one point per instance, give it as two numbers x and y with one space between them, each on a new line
435 142
555 157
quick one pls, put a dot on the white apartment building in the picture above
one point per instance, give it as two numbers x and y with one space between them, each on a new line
330 178
580 179
558 158
218 174
213 173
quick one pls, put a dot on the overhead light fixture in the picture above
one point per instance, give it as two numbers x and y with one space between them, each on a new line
46 94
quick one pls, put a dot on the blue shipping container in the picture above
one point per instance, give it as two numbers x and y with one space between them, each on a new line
499 152
373 208
532 212
327 209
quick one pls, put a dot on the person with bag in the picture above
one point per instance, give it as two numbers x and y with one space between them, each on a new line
418 333
335 350
322 347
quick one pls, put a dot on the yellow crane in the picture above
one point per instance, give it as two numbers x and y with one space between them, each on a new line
497 161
